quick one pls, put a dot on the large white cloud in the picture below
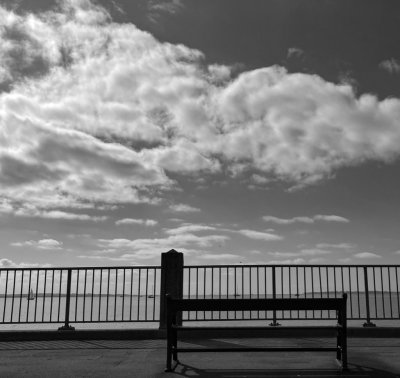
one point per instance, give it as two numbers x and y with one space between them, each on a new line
97 112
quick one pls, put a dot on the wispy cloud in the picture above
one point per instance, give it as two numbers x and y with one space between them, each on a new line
288 261
301 253
335 246
258 235
159 8
367 255
151 248
391 66
188 228
7 263
183 208
130 221
51 244
313 219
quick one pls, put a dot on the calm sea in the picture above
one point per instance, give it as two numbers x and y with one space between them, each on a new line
143 312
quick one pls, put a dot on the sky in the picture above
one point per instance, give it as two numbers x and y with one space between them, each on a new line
236 132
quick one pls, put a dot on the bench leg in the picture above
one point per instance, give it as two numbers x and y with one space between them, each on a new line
169 356
339 345
344 354
175 345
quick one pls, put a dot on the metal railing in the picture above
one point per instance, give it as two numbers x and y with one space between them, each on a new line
132 294
79 295
373 290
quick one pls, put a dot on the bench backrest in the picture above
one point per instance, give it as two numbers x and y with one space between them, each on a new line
257 304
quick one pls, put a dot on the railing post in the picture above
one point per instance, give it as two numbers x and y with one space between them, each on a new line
171 281
66 326
368 323
274 322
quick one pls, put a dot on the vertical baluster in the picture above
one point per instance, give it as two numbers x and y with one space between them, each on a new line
108 291
116 294
51 295
358 294
204 288
130 299
312 289
123 295
390 293
92 296
145 303
100 294
397 289
305 289
351 293
212 289
13 296
320 287
77 294
44 294
366 291
138 302
5 297
154 292
66 325
383 299
29 293
20 296
59 296
274 321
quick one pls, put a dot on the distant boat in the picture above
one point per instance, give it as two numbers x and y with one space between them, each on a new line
31 296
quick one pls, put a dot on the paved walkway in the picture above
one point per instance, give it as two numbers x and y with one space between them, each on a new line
146 358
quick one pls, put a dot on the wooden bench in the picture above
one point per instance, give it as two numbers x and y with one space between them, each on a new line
176 306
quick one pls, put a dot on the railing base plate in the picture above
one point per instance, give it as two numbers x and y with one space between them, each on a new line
66 328
369 325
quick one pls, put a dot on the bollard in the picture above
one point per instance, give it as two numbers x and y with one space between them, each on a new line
171 281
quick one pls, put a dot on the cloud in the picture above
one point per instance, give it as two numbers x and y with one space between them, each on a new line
287 262
313 219
219 257
188 228
157 8
295 52
129 221
367 255
183 208
50 244
257 235
303 252
331 218
151 248
391 66
52 214
6 263
335 246
103 113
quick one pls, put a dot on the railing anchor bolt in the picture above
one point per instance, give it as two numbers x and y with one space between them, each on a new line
66 328
369 325
274 324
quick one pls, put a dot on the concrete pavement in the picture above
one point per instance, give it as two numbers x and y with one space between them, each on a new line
368 357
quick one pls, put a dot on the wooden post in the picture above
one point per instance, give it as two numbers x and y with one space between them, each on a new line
171 281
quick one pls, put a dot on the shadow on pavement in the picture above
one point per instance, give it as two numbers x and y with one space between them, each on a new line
185 370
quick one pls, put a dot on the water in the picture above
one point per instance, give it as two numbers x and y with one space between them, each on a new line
117 311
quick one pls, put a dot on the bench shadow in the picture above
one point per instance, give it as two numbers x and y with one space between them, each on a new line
359 371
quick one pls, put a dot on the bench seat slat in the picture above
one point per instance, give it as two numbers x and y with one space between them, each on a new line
257 304
250 328
257 349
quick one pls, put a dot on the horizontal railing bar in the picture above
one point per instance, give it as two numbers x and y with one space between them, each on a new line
290 266
84 268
